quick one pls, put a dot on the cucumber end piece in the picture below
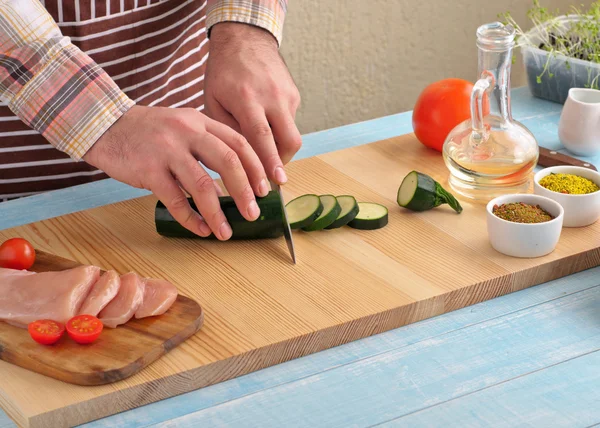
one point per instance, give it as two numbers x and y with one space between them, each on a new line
420 192
449 198
407 189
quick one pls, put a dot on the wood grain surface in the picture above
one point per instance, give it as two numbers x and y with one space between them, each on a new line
116 355
260 310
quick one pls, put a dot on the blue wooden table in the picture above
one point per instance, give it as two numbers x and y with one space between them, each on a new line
531 358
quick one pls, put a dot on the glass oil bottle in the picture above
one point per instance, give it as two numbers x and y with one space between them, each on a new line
491 154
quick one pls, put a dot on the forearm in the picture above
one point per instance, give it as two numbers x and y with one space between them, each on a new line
266 14
50 84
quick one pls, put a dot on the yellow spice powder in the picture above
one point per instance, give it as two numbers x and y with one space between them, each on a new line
569 184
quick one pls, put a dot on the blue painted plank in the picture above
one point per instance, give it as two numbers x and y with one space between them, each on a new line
526 106
5 421
545 129
403 381
563 395
65 201
351 353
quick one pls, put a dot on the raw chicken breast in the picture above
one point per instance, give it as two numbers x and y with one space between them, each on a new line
105 289
27 296
7 273
126 303
159 295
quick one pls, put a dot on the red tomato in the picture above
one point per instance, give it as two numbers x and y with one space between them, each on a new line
16 253
46 332
84 328
440 107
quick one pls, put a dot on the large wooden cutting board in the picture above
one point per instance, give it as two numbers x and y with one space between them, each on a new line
261 309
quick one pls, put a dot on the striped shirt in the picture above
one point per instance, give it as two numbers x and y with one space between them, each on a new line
70 68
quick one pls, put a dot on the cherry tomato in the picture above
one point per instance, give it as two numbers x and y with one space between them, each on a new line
46 332
84 328
16 253
440 107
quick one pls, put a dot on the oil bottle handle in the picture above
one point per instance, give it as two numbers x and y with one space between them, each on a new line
480 107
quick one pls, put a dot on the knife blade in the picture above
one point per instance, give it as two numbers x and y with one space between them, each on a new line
287 231
554 158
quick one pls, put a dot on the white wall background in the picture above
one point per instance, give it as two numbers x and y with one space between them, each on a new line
355 60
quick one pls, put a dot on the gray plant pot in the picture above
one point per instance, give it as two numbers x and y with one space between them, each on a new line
562 73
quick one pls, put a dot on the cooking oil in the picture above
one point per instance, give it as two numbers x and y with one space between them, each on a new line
491 154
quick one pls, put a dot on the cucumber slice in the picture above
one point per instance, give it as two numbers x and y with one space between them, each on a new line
303 210
348 212
370 216
420 192
331 210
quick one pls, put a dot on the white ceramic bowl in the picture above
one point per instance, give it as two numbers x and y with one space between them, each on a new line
526 240
580 210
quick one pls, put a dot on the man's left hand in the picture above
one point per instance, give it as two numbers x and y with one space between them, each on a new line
248 87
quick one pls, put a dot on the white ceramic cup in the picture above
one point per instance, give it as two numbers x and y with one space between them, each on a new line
580 210
579 124
524 240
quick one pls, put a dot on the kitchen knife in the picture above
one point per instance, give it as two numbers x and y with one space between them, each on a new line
554 158
287 231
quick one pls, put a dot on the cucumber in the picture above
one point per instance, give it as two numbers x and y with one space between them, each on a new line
348 212
420 192
331 209
303 210
268 225
370 216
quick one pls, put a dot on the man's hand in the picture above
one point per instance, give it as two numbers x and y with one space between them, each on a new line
249 88
158 149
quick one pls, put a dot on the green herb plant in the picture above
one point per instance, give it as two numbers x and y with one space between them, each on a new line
577 37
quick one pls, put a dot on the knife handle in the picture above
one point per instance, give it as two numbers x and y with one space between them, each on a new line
554 158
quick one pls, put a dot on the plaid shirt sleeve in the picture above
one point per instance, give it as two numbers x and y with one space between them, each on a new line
50 84
267 14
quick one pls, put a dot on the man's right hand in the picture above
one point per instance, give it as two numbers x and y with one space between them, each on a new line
158 149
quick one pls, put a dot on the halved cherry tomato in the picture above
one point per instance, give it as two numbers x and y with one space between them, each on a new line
84 328
16 253
46 332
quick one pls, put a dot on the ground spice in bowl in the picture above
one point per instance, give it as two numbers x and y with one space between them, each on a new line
518 212
569 184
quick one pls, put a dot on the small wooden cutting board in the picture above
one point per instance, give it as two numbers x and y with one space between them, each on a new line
117 354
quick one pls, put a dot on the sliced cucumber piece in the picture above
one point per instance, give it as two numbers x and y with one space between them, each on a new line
420 192
303 210
331 210
348 212
370 216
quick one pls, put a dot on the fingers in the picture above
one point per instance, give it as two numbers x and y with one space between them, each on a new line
217 112
286 134
170 194
250 161
218 156
201 187
256 128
